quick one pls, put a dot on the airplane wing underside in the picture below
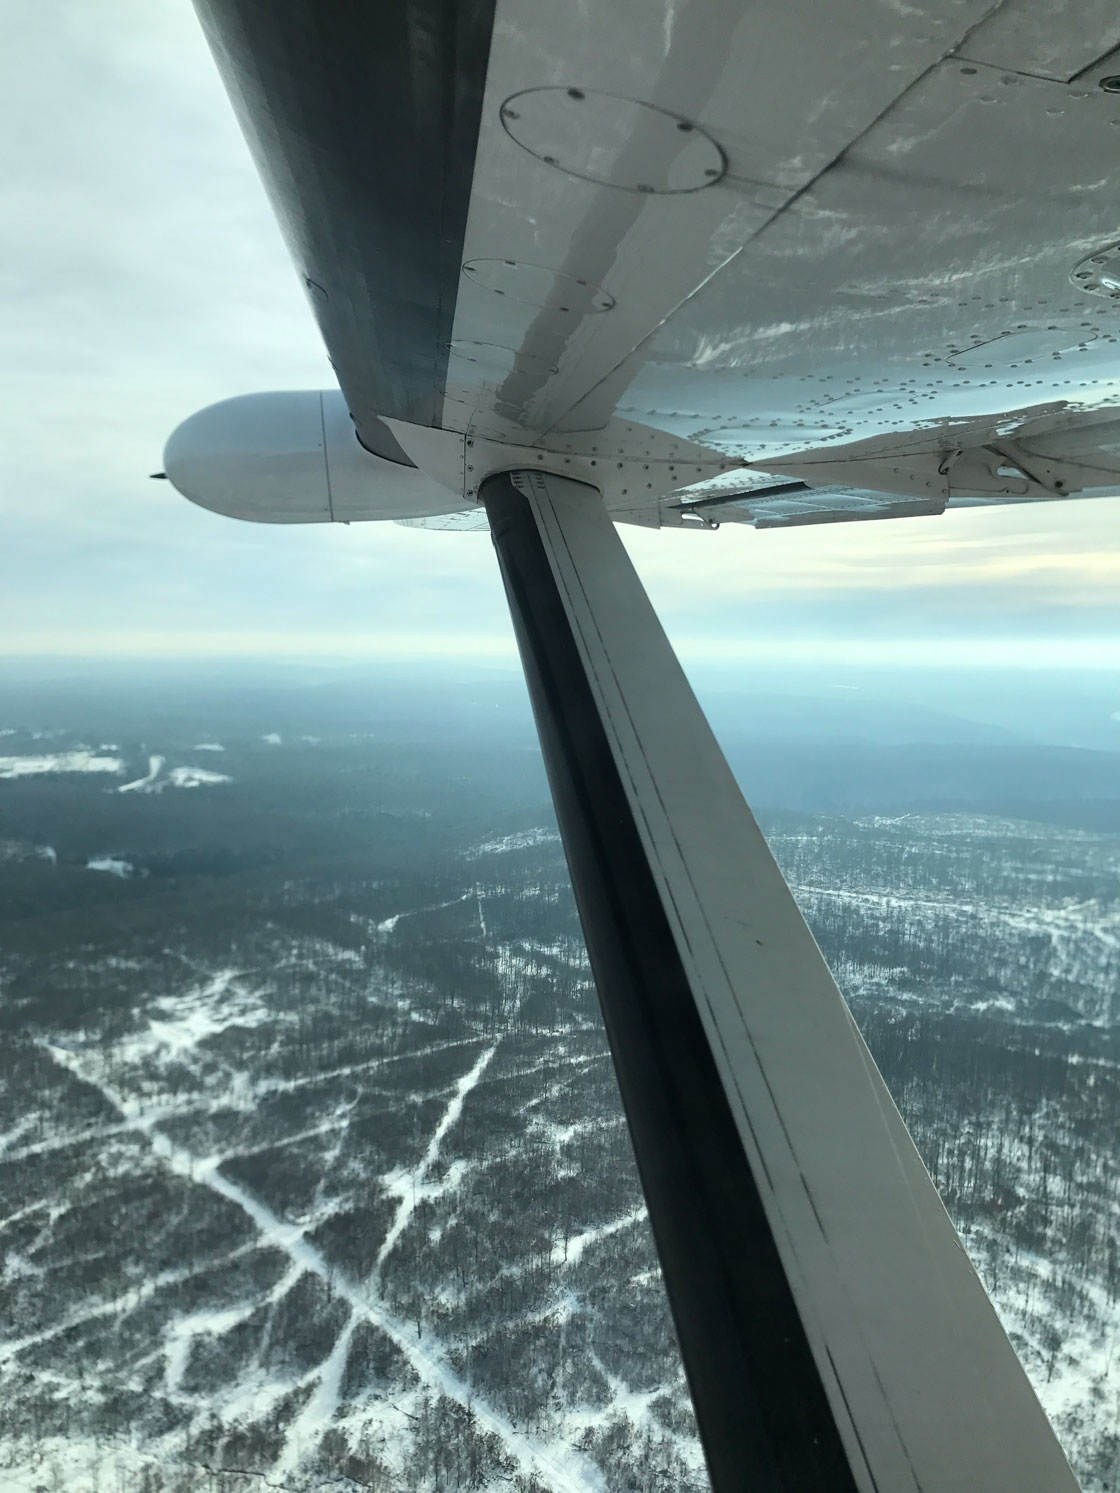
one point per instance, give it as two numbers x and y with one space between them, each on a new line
869 248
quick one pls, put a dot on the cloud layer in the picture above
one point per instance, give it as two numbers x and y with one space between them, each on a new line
144 277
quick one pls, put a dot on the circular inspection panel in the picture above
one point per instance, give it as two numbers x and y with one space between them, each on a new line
1100 273
615 142
535 285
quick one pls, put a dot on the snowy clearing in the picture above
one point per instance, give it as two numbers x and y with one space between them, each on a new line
145 784
27 767
196 777
177 777
111 865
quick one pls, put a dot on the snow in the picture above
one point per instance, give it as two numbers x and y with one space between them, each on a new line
523 841
83 761
411 1185
79 1465
571 1253
388 924
178 777
562 1468
186 1020
146 783
208 746
273 738
112 865
196 777
184 1331
174 1030
322 1405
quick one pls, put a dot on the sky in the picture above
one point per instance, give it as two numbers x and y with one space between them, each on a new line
143 276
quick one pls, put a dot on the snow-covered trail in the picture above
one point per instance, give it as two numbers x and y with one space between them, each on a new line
269 1086
64 1141
176 1349
126 1302
1074 918
388 924
563 1471
408 1184
320 1409
143 785
572 1253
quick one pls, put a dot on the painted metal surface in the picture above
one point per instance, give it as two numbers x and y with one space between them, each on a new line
924 1389
770 231
295 457
363 121
292 458
764 1418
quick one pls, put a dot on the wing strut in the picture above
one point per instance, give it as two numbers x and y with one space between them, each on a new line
833 1331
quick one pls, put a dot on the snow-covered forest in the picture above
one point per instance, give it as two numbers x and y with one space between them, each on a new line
312 1167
